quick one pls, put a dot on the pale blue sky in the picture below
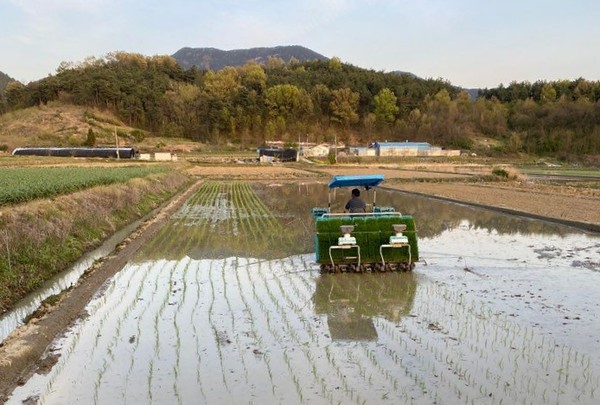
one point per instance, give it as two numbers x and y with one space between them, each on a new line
471 43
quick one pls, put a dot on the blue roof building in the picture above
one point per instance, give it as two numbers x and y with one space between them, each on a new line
403 148
403 145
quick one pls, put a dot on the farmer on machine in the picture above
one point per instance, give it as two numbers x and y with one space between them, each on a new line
356 204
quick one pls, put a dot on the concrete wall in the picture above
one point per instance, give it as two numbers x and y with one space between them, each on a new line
417 152
398 152
162 156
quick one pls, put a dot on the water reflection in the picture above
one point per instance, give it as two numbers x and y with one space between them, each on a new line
352 301
273 220
294 201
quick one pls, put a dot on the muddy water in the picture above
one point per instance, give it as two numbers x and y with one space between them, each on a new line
226 306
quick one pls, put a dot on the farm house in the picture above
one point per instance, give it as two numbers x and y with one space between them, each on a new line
124 153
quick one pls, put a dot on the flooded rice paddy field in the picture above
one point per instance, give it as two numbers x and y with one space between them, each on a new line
226 306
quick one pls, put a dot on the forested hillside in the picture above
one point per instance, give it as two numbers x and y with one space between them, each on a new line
561 117
4 79
320 101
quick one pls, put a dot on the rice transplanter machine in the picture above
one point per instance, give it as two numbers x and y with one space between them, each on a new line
381 239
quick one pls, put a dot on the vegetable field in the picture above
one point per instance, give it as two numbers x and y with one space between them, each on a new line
226 306
18 185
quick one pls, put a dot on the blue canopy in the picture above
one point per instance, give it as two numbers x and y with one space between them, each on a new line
369 180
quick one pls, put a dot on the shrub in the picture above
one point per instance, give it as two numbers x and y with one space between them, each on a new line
508 173
462 142
91 138
137 135
500 172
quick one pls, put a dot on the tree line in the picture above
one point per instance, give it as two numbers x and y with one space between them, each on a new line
320 101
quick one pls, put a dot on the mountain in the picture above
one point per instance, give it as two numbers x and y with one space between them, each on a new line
4 79
409 74
473 93
216 59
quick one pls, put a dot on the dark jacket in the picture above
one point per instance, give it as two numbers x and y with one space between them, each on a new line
355 204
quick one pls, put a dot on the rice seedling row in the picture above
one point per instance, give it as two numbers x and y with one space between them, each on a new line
92 336
348 381
217 212
169 238
278 348
227 273
328 377
217 337
278 351
369 372
254 333
239 201
496 365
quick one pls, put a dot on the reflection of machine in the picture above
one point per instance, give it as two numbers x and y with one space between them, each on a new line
351 301
381 239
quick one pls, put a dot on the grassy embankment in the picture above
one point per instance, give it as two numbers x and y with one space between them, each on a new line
41 237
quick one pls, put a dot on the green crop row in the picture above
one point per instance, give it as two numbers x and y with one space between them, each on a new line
222 219
19 185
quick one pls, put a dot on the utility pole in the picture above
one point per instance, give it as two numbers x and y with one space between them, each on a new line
335 147
117 142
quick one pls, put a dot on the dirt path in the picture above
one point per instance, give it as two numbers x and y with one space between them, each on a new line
561 205
250 172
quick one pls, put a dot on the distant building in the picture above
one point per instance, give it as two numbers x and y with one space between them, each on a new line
410 149
321 150
361 151
165 157
400 148
122 152
277 154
